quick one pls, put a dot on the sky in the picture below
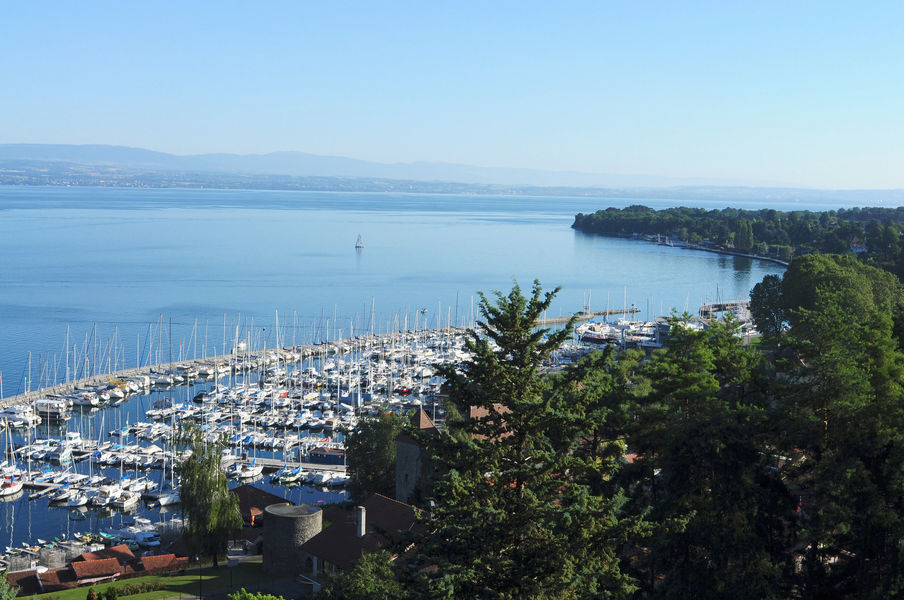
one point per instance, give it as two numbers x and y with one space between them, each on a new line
775 93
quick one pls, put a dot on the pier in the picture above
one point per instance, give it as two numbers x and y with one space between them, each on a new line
708 311
586 315
306 351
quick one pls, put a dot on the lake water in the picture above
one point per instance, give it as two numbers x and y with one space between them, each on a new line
138 276
136 265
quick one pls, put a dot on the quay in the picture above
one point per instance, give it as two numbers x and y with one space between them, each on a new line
586 315
708 311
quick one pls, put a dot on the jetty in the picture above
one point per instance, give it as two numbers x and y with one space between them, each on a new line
709 311
586 315
260 358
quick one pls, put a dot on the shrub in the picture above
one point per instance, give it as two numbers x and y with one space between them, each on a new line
245 595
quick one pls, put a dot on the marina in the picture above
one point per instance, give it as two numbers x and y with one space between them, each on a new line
106 351
280 412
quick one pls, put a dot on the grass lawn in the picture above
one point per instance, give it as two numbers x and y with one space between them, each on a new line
212 581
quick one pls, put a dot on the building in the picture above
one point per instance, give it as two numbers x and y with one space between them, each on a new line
413 468
377 523
90 568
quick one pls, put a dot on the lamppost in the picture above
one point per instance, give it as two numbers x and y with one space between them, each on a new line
200 581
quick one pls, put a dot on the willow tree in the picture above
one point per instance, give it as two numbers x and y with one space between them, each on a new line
371 455
212 513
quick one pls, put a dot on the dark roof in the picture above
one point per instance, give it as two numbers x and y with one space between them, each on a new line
89 569
339 543
389 515
27 582
57 579
122 553
252 497
479 414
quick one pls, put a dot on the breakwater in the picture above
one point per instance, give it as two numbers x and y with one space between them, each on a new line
247 359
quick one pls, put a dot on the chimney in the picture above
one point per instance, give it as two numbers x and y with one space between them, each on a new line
361 520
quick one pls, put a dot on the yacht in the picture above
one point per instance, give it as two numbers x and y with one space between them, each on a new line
52 409
20 416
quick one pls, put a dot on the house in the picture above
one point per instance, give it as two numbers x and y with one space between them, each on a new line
162 563
121 553
89 568
253 501
376 524
102 570
413 468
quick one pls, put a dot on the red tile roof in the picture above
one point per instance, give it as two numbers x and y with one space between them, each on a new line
89 569
121 552
163 562
27 582
57 579
423 422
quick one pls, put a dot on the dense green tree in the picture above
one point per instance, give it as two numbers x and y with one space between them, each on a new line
702 474
846 409
372 578
772 233
212 513
371 453
767 307
595 400
514 514
861 290
744 236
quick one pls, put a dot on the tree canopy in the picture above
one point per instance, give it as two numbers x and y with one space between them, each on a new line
371 454
514 514
706 469
874 233
212 512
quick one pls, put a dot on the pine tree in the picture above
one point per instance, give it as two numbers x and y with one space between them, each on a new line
701 473
845 409
515 516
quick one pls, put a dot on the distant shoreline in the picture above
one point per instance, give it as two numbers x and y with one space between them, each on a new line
689 246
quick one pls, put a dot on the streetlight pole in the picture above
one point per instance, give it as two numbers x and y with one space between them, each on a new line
200 581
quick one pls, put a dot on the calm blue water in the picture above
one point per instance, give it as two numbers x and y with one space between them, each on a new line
135 265
138 276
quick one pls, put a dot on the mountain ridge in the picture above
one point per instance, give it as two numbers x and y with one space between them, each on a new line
303 164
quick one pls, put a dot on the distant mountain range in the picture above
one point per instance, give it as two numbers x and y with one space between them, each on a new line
300 164
61 164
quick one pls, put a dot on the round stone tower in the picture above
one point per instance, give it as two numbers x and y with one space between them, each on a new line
286 528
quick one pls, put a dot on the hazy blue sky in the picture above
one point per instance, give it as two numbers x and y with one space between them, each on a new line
804 93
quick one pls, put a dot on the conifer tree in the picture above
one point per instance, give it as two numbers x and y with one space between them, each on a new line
514 515
701 473
845 413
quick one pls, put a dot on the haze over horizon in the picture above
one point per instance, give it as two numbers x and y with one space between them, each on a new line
769 94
